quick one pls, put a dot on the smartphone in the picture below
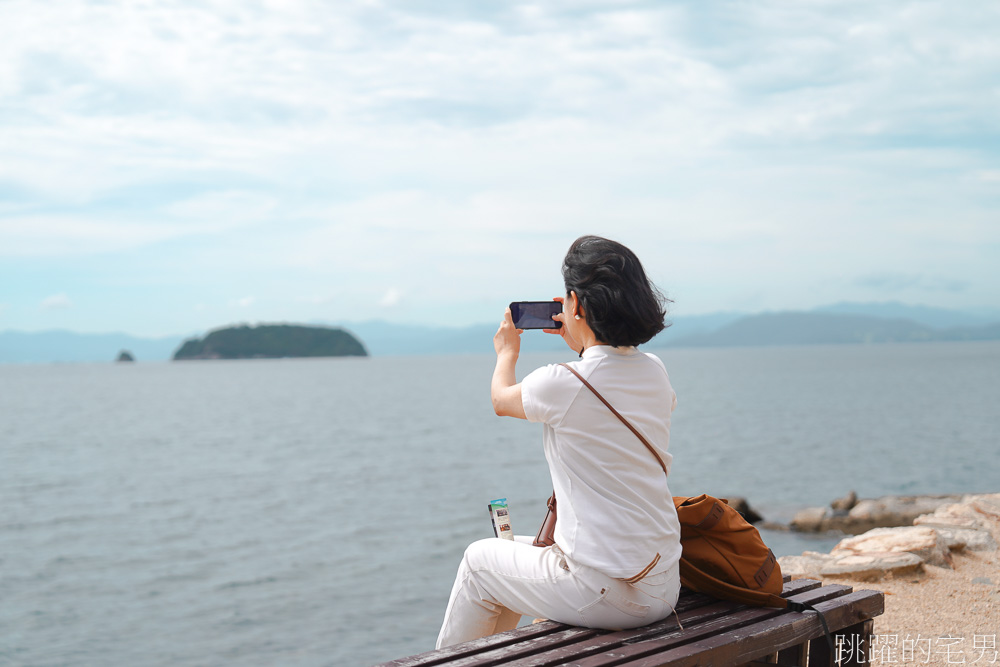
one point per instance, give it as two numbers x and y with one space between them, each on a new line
535 314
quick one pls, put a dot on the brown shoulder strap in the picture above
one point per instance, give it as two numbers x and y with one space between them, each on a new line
619 415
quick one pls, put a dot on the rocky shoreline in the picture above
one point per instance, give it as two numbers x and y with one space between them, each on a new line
853 516
901 535
940 575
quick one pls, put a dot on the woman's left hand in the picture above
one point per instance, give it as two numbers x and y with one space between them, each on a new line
507 339
563 331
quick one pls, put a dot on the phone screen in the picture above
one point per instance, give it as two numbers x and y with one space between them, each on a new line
535 314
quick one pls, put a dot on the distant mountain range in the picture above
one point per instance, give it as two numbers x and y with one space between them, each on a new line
842 323
60 346
829 328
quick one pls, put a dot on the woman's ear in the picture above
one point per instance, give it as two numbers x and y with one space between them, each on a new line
575 308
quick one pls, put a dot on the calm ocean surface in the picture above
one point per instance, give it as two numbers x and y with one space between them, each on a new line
312 512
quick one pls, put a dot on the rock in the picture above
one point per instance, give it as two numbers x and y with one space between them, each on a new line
125 356
891 511
844 505
968 524
957 515
920 541
963 538
773 525
883 512
873 566
988 504
867 567
965 525
841 523
743 507
807 566
809 520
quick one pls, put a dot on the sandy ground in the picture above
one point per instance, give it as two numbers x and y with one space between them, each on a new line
941 616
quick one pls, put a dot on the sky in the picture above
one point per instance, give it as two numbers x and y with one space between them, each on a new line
171 167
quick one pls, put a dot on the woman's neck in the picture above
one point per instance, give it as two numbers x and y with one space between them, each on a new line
590 340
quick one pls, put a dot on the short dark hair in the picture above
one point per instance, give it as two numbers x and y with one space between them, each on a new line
623 307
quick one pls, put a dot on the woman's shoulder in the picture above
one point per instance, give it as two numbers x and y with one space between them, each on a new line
547 392
548 375
659 362
657 368
565 376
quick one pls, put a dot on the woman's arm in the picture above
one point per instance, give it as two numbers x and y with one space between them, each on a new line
504 389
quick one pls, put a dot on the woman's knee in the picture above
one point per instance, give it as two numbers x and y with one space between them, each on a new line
498 556
480 553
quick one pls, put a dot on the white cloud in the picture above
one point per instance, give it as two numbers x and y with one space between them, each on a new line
222 210
316 299
68 235
23 234
392 297
762 145
56 302
244 302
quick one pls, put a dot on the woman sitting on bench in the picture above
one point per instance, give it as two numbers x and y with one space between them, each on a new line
617 540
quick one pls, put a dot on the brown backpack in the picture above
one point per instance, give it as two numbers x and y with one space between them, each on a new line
724 556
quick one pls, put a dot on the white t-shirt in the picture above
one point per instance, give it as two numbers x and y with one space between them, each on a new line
615 509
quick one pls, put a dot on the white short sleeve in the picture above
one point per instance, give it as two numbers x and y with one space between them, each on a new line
547 392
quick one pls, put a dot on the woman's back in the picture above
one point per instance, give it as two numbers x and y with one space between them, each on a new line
615 509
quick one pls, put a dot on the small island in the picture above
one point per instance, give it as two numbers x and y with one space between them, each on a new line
271 341
125 357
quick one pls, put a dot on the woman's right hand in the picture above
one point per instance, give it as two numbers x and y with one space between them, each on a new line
507 339
564 330
504 388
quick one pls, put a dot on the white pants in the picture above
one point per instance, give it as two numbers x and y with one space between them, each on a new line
499 581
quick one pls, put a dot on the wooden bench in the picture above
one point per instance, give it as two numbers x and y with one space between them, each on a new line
715 633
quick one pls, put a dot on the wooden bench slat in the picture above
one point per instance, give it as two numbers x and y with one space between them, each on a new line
560 635
783 631
570 642
667 625
486 645
451 653
565 640
609 639
714 631
729 623
722 614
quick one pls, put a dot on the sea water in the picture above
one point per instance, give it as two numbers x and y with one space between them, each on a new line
313 512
